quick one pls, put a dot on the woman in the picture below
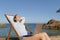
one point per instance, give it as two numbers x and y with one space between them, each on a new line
27 35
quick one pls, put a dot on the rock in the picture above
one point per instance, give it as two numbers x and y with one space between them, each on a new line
53 24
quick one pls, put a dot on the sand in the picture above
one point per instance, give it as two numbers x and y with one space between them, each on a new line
55 37
2 38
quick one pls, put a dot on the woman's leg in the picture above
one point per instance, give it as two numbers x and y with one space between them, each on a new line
42 36
36 37
46 36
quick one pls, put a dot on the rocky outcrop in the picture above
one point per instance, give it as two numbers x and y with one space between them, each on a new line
52 24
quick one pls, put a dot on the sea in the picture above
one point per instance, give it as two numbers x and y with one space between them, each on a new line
4 31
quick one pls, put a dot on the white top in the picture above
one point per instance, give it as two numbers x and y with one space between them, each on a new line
19 26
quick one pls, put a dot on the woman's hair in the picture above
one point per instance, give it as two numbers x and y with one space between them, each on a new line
14 18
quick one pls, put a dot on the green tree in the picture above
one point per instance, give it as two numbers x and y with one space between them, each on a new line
58 11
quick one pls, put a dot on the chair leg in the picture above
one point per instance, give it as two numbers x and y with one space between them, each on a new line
9 32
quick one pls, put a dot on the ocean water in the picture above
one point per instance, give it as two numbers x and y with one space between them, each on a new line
4 31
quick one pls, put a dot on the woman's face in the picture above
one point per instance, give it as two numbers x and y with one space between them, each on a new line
17 18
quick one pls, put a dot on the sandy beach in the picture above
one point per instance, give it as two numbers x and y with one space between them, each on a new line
55 37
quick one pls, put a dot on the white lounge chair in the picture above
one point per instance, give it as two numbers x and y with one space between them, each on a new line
13 25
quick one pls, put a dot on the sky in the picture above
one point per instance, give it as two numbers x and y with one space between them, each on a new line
35 11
